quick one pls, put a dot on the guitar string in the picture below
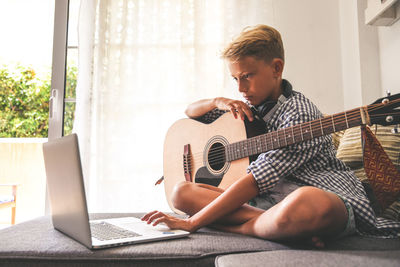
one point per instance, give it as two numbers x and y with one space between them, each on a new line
218 157
317 123
221 159
215 153
218 154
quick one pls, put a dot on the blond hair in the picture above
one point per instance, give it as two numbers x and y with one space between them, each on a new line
261 42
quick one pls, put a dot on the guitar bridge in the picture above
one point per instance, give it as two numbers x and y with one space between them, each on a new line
187 166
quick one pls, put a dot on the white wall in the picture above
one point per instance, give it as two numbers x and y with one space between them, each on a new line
389 49
350 56
333 57
360 55
311 35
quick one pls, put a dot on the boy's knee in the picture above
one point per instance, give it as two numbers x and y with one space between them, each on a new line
181 195
308 206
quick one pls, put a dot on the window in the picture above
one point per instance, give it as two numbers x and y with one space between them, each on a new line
25 61
72 67
65 70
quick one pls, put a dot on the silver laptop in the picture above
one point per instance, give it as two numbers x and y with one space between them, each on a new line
69 209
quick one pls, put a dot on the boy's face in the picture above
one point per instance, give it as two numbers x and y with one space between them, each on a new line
256 79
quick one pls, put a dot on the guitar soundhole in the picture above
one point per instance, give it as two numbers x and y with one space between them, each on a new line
216 156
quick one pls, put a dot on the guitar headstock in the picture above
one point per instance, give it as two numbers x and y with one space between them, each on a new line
385 110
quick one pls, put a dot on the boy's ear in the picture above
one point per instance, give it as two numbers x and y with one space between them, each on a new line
277 67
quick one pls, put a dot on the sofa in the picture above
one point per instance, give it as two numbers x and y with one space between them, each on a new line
37 243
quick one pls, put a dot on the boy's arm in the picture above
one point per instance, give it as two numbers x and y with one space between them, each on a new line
199 108
236 107
231 199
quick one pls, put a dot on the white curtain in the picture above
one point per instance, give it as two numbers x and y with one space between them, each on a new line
141 62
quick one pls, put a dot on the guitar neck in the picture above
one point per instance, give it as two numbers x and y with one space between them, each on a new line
295 134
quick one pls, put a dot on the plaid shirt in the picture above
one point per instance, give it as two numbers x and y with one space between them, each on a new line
313 163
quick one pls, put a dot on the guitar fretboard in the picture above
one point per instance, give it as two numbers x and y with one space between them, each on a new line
294 134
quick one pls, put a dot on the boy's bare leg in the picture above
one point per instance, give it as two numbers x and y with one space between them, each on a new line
306 212
191 198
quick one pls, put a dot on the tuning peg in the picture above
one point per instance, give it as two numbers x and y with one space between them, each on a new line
386 100
395 129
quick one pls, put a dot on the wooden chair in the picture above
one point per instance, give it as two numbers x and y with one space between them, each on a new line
9 201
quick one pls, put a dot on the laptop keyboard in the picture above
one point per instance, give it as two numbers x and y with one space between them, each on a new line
106 231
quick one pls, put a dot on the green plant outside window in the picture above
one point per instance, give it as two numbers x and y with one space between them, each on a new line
24 102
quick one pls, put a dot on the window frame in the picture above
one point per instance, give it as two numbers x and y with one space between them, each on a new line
59 69
58 76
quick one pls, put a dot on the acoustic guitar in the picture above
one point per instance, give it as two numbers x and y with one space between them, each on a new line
219 153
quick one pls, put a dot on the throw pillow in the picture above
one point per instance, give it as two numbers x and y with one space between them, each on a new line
336 138
350 152
382 175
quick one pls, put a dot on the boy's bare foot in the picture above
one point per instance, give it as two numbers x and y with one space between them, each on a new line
317 242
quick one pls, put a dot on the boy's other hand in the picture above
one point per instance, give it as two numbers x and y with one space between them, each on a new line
156 217
236 107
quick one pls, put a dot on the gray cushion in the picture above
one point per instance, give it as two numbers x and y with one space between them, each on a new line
311 258
36 242
363 243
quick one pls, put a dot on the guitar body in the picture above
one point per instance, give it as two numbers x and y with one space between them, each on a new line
205 161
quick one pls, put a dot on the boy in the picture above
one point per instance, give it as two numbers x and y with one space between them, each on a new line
302 190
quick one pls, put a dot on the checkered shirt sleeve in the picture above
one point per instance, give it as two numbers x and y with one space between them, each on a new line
211 116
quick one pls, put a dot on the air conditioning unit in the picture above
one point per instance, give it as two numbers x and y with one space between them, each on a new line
382 12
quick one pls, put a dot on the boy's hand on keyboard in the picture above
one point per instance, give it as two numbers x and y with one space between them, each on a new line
156 217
